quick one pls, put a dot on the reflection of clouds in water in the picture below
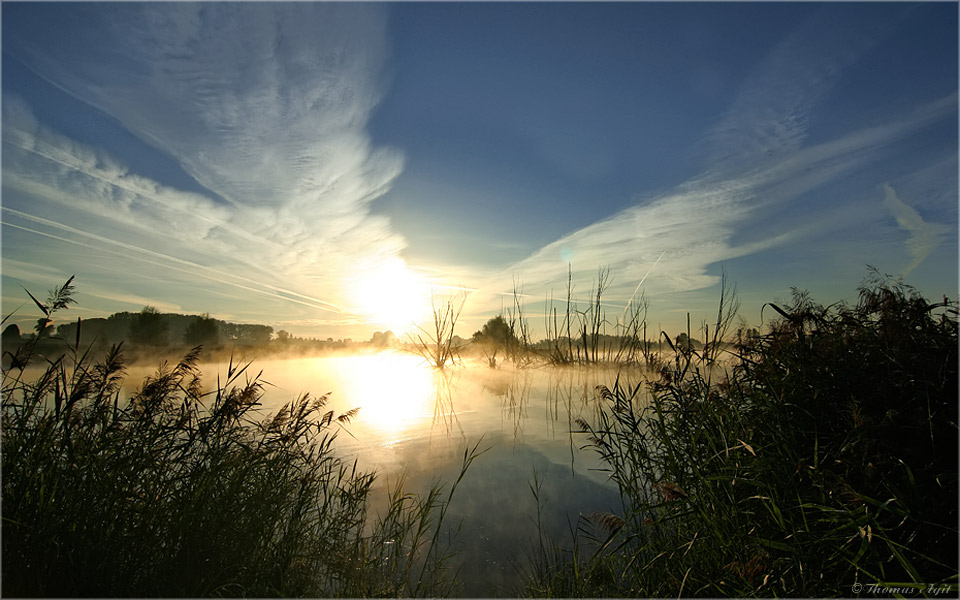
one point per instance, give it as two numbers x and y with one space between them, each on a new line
499 511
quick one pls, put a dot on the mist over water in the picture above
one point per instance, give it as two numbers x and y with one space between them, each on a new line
414 423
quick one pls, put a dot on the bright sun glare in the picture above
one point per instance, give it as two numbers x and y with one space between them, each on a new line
396 399
390 295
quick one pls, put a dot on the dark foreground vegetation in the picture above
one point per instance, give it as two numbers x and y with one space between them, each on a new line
818 459
824 463
174 492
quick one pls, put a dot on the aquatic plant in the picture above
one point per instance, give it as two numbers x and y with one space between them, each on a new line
580 335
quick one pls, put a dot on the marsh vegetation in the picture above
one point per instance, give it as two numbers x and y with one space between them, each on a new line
174 491
823 460
817 454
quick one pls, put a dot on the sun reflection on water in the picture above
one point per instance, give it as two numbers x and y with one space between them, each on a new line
395 393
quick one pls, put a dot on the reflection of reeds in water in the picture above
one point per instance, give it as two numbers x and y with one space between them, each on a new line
565 390
444 411
515 403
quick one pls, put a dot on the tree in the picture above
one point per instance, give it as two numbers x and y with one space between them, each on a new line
150 328
203 331
383 338
436 343
244 333
283 336
495 335
11 346
11 335
254 334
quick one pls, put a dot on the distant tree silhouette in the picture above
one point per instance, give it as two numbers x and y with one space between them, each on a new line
204 331
687 343
11 345
495 336
150 328
283 336
11 335
243 333
383 338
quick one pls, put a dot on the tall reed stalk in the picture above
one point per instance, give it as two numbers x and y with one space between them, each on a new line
559 332
519 346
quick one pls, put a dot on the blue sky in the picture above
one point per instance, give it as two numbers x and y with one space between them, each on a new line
301 165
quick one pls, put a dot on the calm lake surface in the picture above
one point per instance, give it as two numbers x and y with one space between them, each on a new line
415 421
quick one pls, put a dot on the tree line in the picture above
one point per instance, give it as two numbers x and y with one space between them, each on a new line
150 327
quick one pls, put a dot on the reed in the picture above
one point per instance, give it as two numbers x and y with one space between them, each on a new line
519 346
559 340
579 334
823 460
184 493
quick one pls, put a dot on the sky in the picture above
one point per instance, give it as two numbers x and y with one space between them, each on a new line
329 169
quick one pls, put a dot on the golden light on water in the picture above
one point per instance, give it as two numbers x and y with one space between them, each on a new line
390 294
395 392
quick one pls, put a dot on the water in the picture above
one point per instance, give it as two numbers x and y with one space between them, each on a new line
416 421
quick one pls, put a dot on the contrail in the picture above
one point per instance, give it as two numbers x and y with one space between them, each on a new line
120 182
450 287
642 279
221 277
167 266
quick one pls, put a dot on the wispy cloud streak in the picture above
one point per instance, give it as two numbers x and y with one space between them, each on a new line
758 158
201 272
770 117
265 105
923 237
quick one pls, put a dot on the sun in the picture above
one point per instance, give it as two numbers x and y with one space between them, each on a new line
390 294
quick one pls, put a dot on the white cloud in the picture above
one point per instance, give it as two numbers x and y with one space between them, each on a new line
769 118
758 158
35 274
693 226
264 104
923 237
135 300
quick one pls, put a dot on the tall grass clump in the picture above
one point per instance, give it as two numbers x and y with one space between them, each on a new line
824 462
184 493
579 335
519 345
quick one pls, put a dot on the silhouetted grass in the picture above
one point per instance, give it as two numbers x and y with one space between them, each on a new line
824 460
174 492
590 336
